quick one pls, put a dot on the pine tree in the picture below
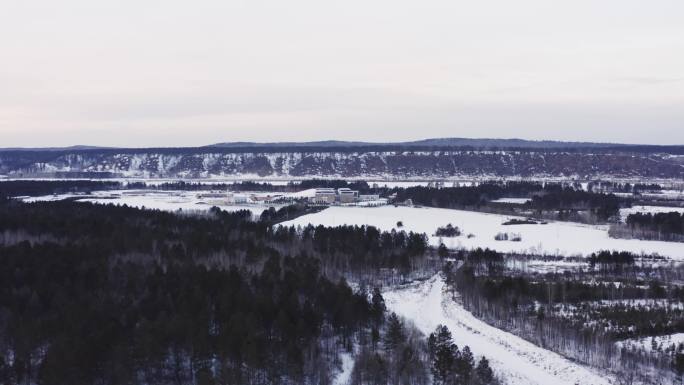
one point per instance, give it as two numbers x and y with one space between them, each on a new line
466 365
444 354
377 306
442 251
484 373
394 336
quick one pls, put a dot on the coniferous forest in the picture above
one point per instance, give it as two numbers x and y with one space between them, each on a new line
104 294
112 294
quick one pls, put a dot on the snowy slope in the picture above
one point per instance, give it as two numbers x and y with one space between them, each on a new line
516 361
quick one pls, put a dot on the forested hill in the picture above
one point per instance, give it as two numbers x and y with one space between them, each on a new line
104 294
417 160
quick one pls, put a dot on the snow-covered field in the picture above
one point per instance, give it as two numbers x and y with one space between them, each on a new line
555 238
516 361
154 199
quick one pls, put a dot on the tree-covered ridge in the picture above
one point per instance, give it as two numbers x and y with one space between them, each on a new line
365 162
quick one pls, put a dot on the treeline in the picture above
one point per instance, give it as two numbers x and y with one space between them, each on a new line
661 226
464 197
568 200
635 188
549 200
218 237
614 261
47 187
365 247
286 213
199 186
291 186
360 186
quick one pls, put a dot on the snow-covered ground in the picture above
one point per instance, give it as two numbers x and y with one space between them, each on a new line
648 209
399 184
542 266
344 376
554 238
516 361
666 194
517 201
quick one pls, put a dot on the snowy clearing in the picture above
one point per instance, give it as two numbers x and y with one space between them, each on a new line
516 361
554 238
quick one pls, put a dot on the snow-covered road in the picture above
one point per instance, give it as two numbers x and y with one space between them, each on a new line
516 361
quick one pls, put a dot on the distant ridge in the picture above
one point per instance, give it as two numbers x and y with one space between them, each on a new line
69 148
432 142
429 158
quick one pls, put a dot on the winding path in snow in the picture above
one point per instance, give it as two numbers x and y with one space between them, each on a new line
515 360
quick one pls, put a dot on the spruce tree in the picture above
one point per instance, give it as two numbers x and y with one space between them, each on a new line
484 373
394 336
466 365
444 354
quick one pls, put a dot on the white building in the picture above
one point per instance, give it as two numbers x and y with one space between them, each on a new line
347 195
369 197
325 196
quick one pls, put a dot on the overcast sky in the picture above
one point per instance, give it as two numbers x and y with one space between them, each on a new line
180 73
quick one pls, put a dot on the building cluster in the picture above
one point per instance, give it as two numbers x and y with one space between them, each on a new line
320 196
329 196
223 198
